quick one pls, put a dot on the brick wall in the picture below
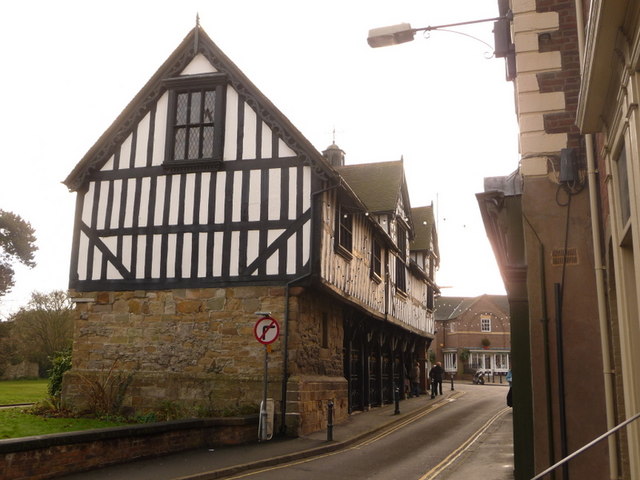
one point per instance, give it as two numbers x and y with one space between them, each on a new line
566 80
50 456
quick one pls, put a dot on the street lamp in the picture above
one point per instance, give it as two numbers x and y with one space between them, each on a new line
402 33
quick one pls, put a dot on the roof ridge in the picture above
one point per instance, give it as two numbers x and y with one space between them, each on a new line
369 164
196 42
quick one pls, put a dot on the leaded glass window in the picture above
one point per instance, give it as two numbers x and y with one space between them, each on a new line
195 128
194 125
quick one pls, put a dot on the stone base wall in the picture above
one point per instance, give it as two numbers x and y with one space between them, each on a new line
316 338
194 348
182 395
308 398
194 352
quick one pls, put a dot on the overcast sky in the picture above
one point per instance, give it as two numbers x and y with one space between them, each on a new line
70 67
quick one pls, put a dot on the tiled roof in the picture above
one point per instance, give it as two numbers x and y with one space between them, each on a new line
424 222
378 185
425 230
448 308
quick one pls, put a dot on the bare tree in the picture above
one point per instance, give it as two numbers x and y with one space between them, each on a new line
44 327
8 350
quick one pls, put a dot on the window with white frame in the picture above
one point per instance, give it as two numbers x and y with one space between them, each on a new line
480 361
450 362
501 361
485 324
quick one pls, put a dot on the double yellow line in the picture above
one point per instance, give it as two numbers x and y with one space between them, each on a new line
405 422
453 456
364 443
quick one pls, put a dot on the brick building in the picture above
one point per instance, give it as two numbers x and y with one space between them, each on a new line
473 333
564 232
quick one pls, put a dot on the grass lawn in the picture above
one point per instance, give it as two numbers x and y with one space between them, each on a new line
15 423
22 391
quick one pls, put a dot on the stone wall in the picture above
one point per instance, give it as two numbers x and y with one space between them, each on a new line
316 336
316 363
308 400
20 370
194 350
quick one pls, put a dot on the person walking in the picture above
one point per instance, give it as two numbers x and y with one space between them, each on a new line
414 377
435 374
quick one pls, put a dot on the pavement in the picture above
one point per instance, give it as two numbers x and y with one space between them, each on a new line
487 455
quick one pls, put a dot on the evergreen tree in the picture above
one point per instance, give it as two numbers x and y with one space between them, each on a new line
17 244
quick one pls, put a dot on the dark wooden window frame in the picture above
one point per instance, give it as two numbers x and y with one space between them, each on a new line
430 298
344 232
376 260
401 276
401 266
189 85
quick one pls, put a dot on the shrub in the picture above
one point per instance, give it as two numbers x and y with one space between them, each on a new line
169 410
105 393
432 356
465 354
60 363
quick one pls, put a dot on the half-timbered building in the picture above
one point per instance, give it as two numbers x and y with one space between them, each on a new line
202 205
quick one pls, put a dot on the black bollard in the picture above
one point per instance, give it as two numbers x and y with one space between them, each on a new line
330 422
397 411
452 381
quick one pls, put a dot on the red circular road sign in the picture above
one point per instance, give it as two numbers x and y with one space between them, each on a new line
266 330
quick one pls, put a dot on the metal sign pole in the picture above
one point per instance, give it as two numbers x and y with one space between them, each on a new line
263 413
266 331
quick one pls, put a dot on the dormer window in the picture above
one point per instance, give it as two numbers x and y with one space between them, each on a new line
195 126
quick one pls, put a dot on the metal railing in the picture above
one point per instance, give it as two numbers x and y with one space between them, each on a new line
586 447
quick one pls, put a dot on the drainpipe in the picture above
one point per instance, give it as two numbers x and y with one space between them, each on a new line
547 360
312 259
562 415
285 360
544 319
599 270
607 368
